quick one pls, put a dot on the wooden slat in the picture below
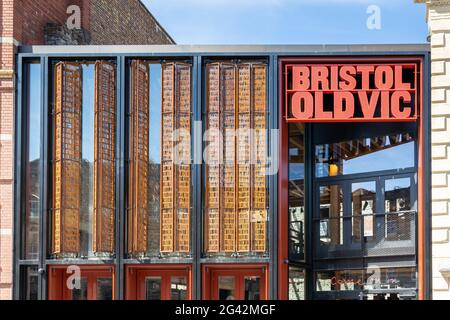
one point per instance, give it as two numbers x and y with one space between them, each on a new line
212 219
243 156
259 185
167 156
183 177
176 154
104 157
67 159
139 164
236 189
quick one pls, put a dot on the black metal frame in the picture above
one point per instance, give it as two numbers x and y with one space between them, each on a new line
198 55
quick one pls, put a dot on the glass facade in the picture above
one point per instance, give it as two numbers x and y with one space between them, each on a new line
164 170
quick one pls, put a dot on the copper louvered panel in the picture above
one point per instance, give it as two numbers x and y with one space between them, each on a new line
259 200
67 159
236 178
243 156
183 177
104 157
139 164
212 219
167 156
228 168
176 154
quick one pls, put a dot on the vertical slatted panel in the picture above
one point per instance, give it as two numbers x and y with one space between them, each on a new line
243 156
212 219
104 157
183 169
167 161
236 206
67 159
259 202
139 164
228 169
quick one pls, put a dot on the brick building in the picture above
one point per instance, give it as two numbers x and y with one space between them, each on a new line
31 22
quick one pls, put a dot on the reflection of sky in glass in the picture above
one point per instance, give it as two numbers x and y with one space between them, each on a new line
88 113
398 157
34 97
296 171
369 186
155 114
393 184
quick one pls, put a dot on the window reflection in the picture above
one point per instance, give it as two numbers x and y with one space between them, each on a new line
296 192
30 282
296 283
227 289
81 293
153 288
33 172
331 215
252 288
365 155
104 289
87 160
363 209
178 288
397 202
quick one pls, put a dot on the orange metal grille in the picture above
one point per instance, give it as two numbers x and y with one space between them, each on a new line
236 209
139 164
104 168
175 158
67 159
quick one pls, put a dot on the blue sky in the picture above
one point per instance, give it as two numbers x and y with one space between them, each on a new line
289 21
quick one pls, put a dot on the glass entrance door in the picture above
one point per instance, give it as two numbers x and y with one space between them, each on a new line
81 283
165 282
235 284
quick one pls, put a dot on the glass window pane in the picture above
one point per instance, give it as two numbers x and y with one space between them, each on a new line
331 213
364 198
369 154
296 283
81 293
296 192
33 157
341 280
178 289
104 289
87 160
160 184
29 283
252 288
397 202
153 288
154 161
227 288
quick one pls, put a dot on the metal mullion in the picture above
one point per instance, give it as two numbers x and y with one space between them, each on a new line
273 187
18 176
196 178
44 192
119 176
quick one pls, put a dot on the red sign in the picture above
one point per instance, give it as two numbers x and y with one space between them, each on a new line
351 92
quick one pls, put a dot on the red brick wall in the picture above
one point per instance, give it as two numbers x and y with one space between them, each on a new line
6 155
23 21
31 16
125 22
